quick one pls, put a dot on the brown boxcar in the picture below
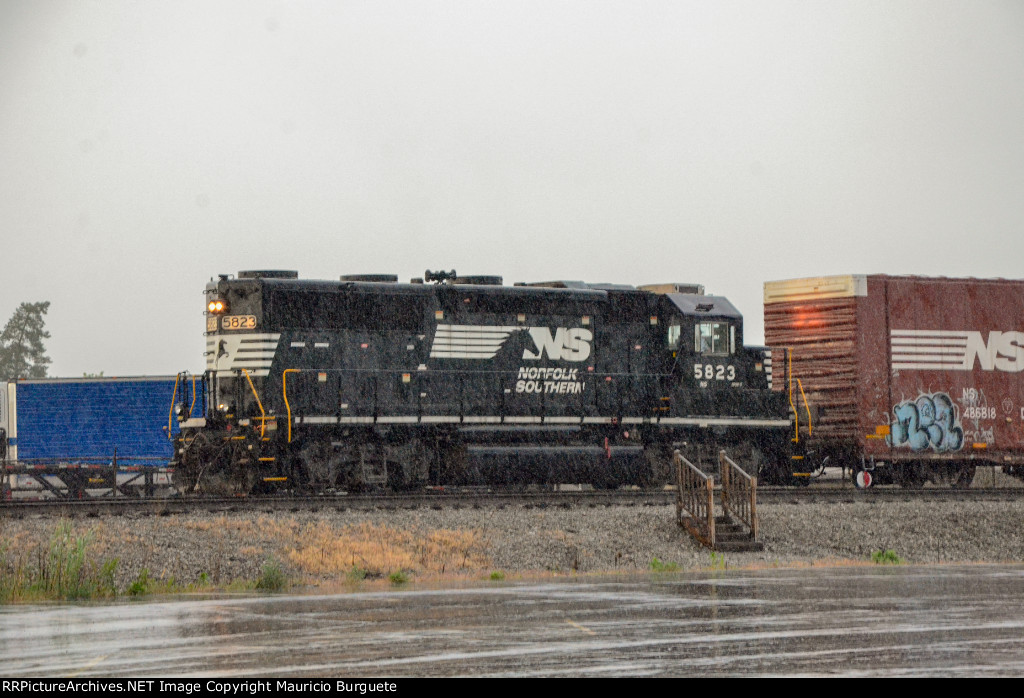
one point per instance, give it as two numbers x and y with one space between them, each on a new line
908 378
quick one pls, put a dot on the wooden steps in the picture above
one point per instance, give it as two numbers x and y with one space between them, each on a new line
736 528
732 537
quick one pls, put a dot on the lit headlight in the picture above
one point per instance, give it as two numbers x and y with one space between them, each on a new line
217 305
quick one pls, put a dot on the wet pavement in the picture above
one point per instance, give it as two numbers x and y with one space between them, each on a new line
852 621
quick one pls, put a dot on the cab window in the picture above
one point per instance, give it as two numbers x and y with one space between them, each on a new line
672 338
714 338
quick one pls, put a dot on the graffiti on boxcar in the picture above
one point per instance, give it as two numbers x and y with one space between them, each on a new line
931 420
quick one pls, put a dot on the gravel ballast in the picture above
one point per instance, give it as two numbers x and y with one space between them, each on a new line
321 548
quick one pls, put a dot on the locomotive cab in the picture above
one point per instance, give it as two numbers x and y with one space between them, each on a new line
704 337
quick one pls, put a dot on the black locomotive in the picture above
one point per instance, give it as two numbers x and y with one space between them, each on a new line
370 383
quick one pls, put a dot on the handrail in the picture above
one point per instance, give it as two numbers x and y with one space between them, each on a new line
259 403
789 377
194 397
695 500
170 413
284 391
739 493
807 408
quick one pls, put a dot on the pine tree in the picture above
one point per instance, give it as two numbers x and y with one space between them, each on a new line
22 354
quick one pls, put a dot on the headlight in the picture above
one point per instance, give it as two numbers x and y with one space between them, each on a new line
217 306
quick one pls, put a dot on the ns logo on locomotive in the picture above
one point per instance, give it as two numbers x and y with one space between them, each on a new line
364 383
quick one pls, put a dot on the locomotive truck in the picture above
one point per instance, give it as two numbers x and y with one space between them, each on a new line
364 383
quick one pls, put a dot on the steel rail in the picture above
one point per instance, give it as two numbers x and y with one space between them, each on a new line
472 498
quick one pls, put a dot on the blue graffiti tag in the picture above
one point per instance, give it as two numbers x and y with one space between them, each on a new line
929 421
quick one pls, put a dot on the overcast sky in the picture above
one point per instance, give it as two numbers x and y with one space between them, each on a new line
147 146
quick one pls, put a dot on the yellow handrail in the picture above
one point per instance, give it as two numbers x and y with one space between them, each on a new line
789 376
263 415
807 408
170 414
284 389
193 404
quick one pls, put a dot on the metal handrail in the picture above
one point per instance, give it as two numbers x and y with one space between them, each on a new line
739 493
807 407
195 395
284 391
789 392
259 403
695 500
170 413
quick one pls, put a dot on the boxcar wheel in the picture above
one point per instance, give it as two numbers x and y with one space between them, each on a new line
963 476
912 475
862 479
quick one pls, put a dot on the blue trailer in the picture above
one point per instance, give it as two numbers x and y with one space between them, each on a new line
70 436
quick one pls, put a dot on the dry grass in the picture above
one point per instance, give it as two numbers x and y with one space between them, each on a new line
262 527
377 550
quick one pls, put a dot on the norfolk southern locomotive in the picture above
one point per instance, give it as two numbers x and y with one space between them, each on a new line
370 383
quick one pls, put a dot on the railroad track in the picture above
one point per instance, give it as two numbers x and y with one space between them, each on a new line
269 504
458 499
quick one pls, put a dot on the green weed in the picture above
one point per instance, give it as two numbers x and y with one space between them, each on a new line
659 566
273 577
140 587
886 557
64 571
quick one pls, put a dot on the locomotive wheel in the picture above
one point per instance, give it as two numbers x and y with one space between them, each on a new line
449 457
748 456
319 467
658 472
198 455
408 464
184 479
212 464
397 480
239 479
